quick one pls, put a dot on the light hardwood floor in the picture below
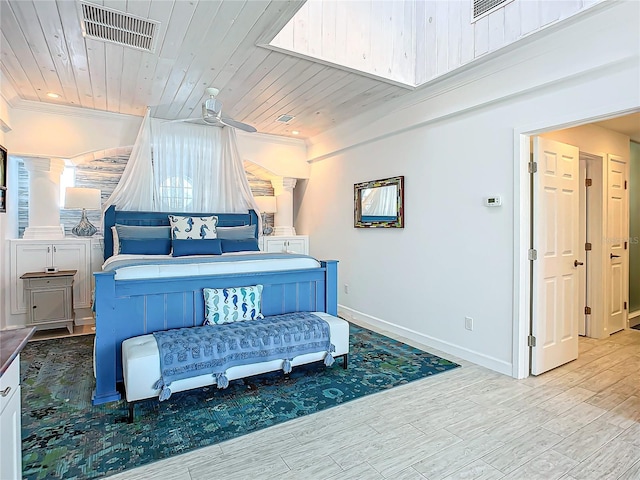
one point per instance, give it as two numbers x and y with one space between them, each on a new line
578 422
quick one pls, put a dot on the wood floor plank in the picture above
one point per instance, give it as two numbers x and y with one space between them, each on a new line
321 469
588 439
548 466
457 456
632 435
574 419
477 470
430 445
608 463
632 474
379 445
519 451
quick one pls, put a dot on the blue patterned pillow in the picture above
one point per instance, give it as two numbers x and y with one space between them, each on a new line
189 228
226 305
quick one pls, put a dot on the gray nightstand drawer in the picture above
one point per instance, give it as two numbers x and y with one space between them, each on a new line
48 282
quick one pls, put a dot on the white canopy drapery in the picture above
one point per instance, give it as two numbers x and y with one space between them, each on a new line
183 167
135 190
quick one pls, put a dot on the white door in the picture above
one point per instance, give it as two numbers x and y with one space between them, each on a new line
617 235
555 296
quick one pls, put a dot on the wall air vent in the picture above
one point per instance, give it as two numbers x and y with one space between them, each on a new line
286 118
113 26
482 8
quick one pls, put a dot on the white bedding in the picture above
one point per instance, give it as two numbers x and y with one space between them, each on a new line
218 268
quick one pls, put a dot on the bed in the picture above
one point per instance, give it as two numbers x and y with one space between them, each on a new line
133 304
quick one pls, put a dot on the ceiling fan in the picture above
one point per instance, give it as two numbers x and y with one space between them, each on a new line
212 114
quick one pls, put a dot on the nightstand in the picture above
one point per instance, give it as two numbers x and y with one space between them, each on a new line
49 299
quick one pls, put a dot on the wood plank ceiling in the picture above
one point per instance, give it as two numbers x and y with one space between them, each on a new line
201 43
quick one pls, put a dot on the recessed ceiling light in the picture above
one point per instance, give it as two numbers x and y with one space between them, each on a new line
53 95
295 132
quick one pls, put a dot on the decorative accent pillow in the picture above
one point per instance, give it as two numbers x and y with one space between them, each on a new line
187 228
249 245
210 246
226 305
237 233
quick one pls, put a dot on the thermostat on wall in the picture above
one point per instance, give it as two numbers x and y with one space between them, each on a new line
493 201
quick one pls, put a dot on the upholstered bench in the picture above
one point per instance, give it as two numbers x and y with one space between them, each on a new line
141 364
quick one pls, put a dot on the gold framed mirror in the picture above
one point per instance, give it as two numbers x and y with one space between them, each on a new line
379 203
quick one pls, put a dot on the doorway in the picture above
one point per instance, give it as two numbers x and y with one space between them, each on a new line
613 235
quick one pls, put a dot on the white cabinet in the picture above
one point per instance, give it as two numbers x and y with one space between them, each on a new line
10 423
292 244
65 254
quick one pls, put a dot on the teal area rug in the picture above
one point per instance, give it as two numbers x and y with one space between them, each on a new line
64 436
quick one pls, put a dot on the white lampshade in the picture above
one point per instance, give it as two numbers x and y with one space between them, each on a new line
79 198
266 204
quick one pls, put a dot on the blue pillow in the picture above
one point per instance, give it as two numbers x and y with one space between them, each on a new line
248 245
182 248
237 233
151 246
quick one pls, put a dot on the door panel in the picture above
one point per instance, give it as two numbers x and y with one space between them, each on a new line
555 236
617 233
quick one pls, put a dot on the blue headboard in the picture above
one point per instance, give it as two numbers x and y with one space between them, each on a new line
126 217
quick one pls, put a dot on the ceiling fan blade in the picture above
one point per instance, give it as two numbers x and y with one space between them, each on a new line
239 125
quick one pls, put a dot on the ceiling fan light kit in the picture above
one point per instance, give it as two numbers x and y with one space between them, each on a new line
212 113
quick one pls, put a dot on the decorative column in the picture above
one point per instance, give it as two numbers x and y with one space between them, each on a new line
283 218
44 198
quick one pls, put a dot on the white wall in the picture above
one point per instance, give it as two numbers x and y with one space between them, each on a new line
455 146
593 139
65 132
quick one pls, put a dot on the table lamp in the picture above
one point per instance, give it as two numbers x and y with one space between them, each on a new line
82 198
266 205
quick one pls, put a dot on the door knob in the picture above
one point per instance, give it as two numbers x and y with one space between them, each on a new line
576 263
614 256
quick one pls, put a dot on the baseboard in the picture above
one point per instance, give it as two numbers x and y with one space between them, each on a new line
470 355
83 316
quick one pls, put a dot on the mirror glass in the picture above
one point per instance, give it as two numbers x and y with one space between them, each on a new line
379 203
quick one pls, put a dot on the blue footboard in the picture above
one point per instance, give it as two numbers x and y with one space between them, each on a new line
128 308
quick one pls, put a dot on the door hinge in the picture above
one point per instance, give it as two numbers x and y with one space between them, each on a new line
587 310
587 247
533 254
625 305
531 341
533 167
588 182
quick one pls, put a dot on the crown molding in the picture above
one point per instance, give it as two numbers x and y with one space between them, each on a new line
268 138
50 108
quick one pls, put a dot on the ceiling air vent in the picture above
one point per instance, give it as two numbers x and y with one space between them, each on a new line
122 28
286 118
485 7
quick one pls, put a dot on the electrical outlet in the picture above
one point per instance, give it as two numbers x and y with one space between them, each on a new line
346 288
468 323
